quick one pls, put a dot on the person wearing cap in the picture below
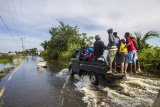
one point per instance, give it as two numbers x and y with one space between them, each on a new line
112 49
98 48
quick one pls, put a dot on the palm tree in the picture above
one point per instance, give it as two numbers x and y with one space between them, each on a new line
142 39
45 44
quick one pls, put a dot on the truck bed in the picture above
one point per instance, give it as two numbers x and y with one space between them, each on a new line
99 68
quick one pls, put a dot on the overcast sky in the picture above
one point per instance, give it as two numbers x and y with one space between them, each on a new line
33 20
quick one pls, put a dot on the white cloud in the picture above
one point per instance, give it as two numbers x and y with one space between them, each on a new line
92 16
7 43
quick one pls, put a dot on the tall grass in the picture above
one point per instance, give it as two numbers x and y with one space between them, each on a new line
5 58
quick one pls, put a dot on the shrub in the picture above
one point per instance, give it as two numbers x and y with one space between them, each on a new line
150 58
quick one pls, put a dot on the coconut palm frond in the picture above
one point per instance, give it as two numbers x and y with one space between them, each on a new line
142 39
149 35
138 35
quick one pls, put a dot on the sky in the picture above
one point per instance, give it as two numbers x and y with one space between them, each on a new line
32 19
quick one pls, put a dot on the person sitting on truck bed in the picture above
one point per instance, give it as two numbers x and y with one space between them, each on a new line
98 47
88 56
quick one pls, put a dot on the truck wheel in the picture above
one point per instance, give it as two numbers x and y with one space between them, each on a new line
71 72
80 73
94 78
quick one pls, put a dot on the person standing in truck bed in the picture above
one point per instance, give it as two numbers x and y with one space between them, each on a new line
98 48
123 52
112 49
131 52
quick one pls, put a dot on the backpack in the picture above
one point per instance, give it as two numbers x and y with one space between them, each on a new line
135 43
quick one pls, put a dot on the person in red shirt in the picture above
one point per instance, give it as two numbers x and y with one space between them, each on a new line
136 46
131 52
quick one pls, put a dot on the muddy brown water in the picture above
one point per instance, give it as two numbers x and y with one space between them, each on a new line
28 86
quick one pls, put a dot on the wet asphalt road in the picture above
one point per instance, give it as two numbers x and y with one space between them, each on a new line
28 86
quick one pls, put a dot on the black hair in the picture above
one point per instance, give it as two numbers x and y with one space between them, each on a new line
115 33
127 34
97 37
122 40
110 31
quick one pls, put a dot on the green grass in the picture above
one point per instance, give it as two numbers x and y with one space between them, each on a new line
4 60
2 74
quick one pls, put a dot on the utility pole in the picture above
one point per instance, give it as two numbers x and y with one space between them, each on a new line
22 43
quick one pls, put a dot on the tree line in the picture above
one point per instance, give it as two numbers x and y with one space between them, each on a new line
64 40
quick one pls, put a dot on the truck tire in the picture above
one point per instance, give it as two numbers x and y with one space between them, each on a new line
71 72
80 73
94 78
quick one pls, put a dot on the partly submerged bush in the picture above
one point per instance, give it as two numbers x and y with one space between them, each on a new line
4 58
150 59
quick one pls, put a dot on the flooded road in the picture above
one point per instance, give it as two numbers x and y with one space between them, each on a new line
28 86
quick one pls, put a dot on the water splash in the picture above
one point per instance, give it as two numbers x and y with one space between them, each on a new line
131 92
63 73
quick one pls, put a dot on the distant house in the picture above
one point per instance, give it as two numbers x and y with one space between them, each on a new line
39 52
11 53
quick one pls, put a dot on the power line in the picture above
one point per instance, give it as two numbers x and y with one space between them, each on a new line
15 10
13 20
22 17
8 30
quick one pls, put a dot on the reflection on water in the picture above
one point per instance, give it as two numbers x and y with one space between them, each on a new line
14 63
39 87
2 66
41 70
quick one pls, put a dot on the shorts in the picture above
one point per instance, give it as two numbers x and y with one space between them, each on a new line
117 56
132 56
95 58
124 57
111 54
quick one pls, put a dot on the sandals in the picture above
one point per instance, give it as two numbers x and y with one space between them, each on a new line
109 72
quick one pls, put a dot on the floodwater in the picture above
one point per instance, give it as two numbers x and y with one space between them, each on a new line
11 64
28 86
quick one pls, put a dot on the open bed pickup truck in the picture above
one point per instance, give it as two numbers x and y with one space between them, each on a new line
93 69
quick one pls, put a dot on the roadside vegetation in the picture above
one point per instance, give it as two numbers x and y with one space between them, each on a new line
6 58
32 51
64 40
149 56
150 59
5 71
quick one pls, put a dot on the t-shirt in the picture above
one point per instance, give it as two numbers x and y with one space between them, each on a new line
98 48
131 47
135 43
111 40
117 42
123 48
